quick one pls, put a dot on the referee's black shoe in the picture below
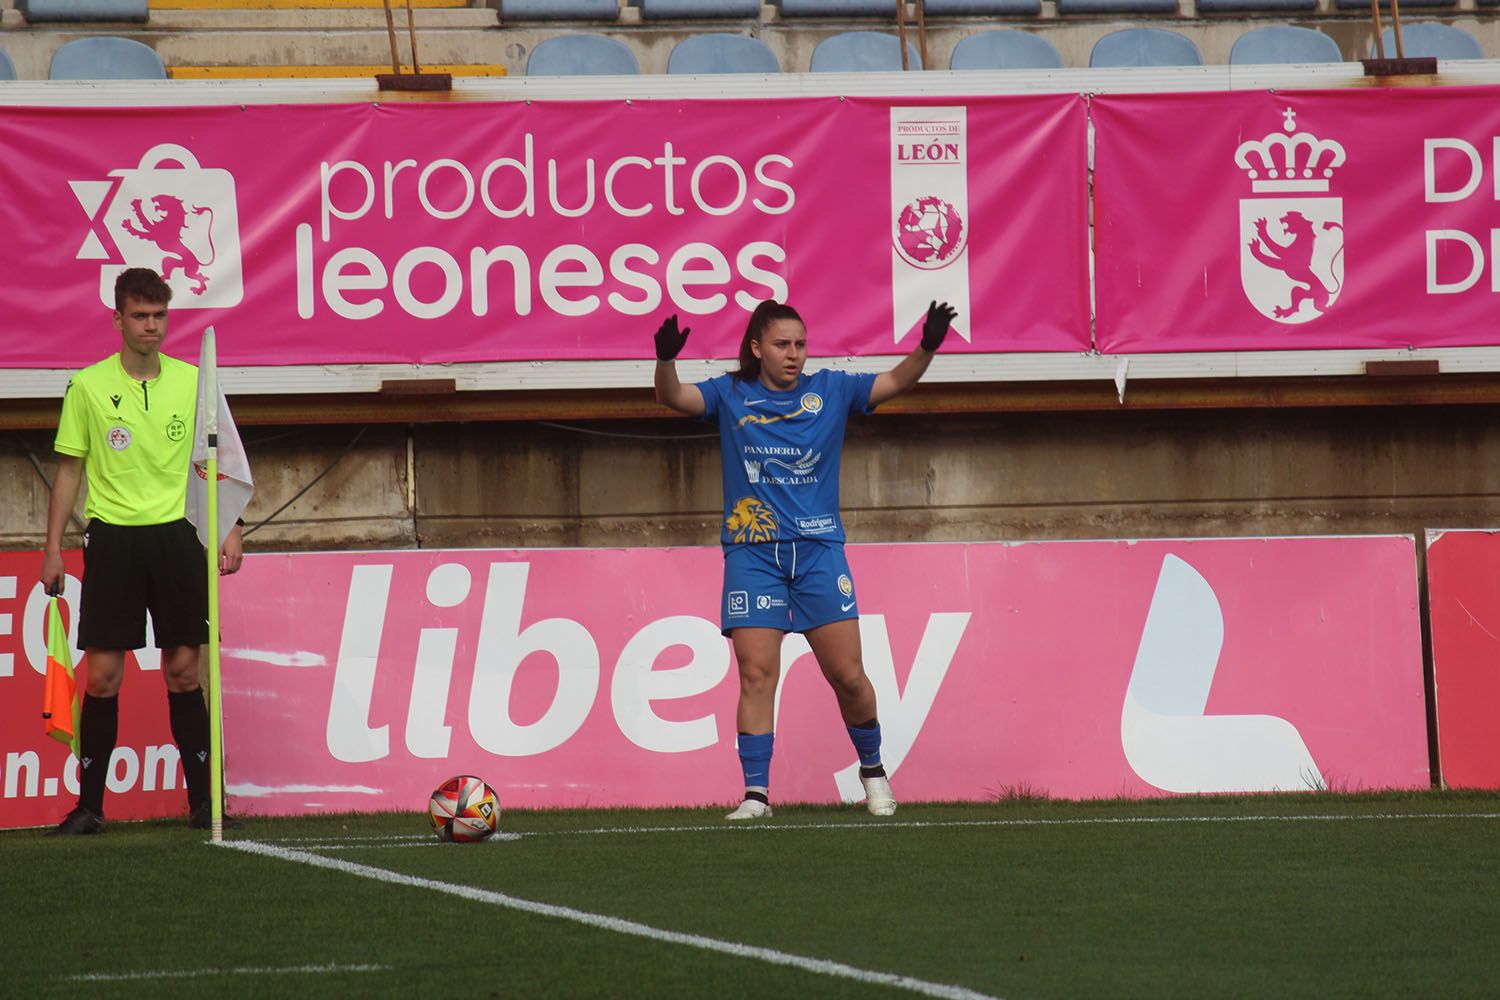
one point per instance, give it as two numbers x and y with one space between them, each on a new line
80 822
201 818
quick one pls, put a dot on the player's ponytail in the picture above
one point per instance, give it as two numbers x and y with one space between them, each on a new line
764 315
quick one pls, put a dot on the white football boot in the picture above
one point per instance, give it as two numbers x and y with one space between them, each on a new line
878 797
750 809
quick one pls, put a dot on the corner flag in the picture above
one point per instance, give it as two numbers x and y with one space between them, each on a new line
60 708
235 483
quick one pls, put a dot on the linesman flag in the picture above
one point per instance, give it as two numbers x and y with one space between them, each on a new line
60 707
235 484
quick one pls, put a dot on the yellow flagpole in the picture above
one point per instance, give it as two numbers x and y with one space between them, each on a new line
215 696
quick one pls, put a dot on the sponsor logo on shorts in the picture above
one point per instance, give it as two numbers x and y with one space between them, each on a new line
846 586
846 607
118 437
739 603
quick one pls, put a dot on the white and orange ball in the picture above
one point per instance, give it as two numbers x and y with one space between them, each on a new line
464 810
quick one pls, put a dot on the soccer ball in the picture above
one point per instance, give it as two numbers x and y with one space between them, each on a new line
464 809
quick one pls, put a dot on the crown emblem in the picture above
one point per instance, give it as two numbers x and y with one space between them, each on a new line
1294 161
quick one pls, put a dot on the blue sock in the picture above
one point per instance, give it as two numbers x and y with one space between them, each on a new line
866 739
755 758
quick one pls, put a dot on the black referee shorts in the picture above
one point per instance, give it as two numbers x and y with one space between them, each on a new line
129 570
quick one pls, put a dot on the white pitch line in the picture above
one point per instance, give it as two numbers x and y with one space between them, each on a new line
616 924
267 970
887 824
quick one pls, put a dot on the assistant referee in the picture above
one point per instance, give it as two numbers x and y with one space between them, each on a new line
127 425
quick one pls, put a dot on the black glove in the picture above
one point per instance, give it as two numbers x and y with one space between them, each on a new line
936 327
669 340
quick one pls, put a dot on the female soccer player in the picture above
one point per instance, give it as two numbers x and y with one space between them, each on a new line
781 435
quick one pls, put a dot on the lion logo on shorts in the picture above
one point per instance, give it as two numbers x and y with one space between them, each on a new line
750 521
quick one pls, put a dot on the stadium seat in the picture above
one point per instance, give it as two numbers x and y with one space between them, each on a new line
980 8
1144 47
1005 49
861 52
1284 43
559 10
1424 38
1235 6
1066 7
83 10
104 58
1363 5
722 54
659 9
838 8
581 55
7 68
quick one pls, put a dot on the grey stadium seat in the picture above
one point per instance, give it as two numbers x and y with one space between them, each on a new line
1005 49
722 54
1144 47
581 55
83 10
1233 6
861 52
559 10
104 58
1116 6
1284 43
1432 39
7 68
661 9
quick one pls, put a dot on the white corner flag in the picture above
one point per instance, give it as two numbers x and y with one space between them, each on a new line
235 484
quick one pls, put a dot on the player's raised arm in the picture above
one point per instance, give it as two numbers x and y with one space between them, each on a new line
669 389
912 367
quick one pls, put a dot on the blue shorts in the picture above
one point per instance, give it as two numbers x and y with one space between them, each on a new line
791 586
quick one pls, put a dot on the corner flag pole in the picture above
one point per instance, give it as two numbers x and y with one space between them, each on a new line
210 380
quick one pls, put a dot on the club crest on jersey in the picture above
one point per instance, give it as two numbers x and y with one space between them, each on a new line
1291 244
750 520
118 437
812 402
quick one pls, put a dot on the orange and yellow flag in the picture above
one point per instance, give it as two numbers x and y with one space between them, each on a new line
60 697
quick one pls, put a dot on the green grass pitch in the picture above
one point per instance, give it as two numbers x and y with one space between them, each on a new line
1313 895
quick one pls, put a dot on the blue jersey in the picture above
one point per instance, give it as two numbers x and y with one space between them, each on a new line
781 453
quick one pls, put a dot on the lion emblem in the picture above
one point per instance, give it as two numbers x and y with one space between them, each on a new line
1294 259
750 521
168 231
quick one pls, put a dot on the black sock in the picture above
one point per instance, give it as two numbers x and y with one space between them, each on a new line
761 797
189 717
99 725
878 771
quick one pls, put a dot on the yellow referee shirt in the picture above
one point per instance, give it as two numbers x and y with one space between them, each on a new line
135 437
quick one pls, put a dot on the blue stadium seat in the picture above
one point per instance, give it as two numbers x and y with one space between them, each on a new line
980 8
660 9
1005 49
1284 43
581 55
1144 47
1234 6
861 52
1116 6
1431 39
1386 5
722 54
7 68
83 10
101 57
559 10
838 8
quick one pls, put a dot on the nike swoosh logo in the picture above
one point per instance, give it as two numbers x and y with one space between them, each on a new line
752 402
846 607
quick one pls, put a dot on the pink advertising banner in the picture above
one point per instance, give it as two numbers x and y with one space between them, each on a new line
1464 596
359 681
1262 220
547 230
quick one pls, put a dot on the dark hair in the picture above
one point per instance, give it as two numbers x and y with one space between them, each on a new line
141 283
764 315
